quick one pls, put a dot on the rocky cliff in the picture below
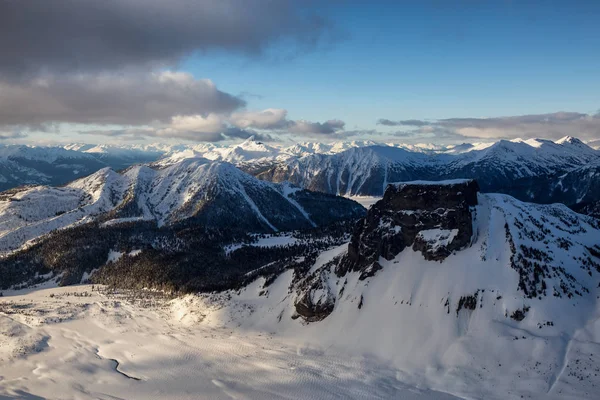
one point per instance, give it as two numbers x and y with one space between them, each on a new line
433 218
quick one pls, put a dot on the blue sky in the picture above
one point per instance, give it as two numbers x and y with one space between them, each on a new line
431 60
134 72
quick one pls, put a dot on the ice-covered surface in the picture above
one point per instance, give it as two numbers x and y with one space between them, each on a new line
75 343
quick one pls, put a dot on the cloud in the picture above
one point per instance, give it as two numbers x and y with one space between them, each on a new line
408 122
212 123
14 134
325 128
59 36
134 99
215 127
276 119
549 126
271 118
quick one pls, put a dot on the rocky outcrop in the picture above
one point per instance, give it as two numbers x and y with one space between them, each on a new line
315 299
432 217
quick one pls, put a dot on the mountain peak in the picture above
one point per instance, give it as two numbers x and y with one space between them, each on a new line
570 140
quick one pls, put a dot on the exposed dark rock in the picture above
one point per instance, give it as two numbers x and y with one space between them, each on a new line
315 299
433 218
520 314
467 302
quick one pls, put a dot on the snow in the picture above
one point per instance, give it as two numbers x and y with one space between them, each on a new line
114 256
409 312
365 201
265 241
160 195
77 343
408 339
448 182
438 237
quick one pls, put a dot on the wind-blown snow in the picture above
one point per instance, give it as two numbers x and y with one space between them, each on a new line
76 343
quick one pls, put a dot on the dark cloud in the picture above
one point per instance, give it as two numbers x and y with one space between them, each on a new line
40 36
408 122
276 119
134 99
387 122
414 122
323 128
500 122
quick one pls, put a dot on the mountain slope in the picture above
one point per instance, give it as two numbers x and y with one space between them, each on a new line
367 170
508 303
192 192
25 165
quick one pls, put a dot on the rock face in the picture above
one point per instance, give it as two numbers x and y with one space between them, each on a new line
432 217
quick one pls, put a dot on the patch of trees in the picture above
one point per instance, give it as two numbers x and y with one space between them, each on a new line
178 259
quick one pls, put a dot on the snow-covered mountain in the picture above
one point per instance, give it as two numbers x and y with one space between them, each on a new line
594 144
367 170
210 194
451 286
477 295
518 167
27 165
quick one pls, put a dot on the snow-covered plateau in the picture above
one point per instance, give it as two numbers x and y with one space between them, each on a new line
79 343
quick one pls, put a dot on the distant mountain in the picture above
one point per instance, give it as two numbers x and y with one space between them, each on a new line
530 169
26 165
578 186
594 144
505 167
213 195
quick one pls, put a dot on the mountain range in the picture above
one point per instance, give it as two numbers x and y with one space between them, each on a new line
536 170
475 287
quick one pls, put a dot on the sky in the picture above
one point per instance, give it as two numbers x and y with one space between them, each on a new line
435 71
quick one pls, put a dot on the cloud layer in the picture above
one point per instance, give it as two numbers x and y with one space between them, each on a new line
58 36
549 126
111 99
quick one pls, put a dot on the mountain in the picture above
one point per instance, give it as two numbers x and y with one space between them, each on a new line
577 187
449 285
250 149
530 170
192 192
27 165
591 209
594 144
477 288
497 166
357 171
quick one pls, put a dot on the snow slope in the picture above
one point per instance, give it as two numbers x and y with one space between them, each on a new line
214 194
76 343
470 325
367 170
